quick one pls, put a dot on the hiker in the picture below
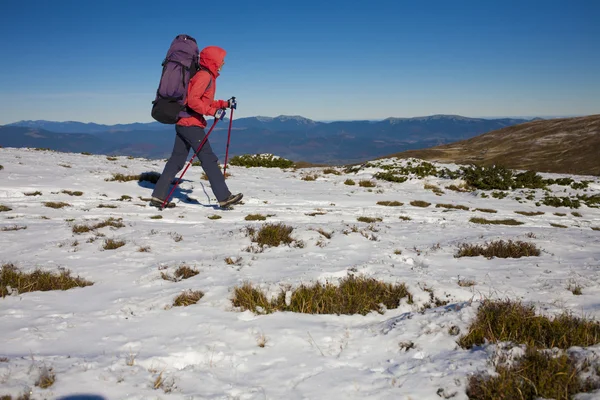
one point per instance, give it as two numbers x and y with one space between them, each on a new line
190 131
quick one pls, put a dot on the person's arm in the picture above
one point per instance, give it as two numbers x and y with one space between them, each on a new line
198 100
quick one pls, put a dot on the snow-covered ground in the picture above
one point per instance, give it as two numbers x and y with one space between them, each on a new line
115 338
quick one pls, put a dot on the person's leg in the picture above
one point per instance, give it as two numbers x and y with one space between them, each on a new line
180 152
194 135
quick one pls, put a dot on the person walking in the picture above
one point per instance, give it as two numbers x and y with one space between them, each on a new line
190 131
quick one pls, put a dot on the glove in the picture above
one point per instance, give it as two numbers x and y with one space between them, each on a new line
220 114
232 103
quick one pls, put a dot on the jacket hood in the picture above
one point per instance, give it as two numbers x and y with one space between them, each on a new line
211 58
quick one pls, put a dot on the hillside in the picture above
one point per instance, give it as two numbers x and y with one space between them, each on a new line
566 145
126 336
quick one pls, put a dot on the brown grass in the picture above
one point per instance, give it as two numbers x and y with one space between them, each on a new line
71 193
500 249
419 203
46 378
537 374
333 171
310 177
38 280
215 216
271 235
106 206
486 210
512 321
369 220
188 298
452 206
558 225
36 193
182 272
112 222
495 221
349 182
156 217
13 228
328 235
353 295
405 218
255 217
530 213
112 244
390 203
596 228
366 183
54 204
4 208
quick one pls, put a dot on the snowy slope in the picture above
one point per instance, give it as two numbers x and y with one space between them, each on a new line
116 337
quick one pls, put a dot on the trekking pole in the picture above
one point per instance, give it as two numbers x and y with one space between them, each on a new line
166 201
228 139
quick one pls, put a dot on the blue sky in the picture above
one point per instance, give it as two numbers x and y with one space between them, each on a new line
100 61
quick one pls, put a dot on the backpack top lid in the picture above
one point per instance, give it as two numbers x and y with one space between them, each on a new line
184 50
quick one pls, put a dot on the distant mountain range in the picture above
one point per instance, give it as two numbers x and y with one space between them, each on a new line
564 145
293 137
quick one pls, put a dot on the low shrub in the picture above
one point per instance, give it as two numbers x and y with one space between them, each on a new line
331 171
419 203
390 177
554 201
366 183
71 193
261 160
349 182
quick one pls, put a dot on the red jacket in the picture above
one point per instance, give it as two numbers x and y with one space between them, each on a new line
201 97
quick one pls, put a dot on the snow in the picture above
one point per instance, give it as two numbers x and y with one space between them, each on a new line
115 338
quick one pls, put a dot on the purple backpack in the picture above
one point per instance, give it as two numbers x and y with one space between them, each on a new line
179 66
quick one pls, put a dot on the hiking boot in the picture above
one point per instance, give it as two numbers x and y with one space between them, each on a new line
231 200
156 202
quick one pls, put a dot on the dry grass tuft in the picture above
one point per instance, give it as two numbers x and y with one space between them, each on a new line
466 282
310 177
255 217
106 206
576 214
500 249
46 378
366 183
353 295
71 193
369 220
349 182
214 216
181 273
36 193
575 289
405 218
495 221
486 210
112 222
112 244
530 213
511 321
558 225
535 375
122 178
452 206
271 235
13 228
144 249
328 235
419 203
156 217
188 298
328 171
596 228
37 280
390 203
55 204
